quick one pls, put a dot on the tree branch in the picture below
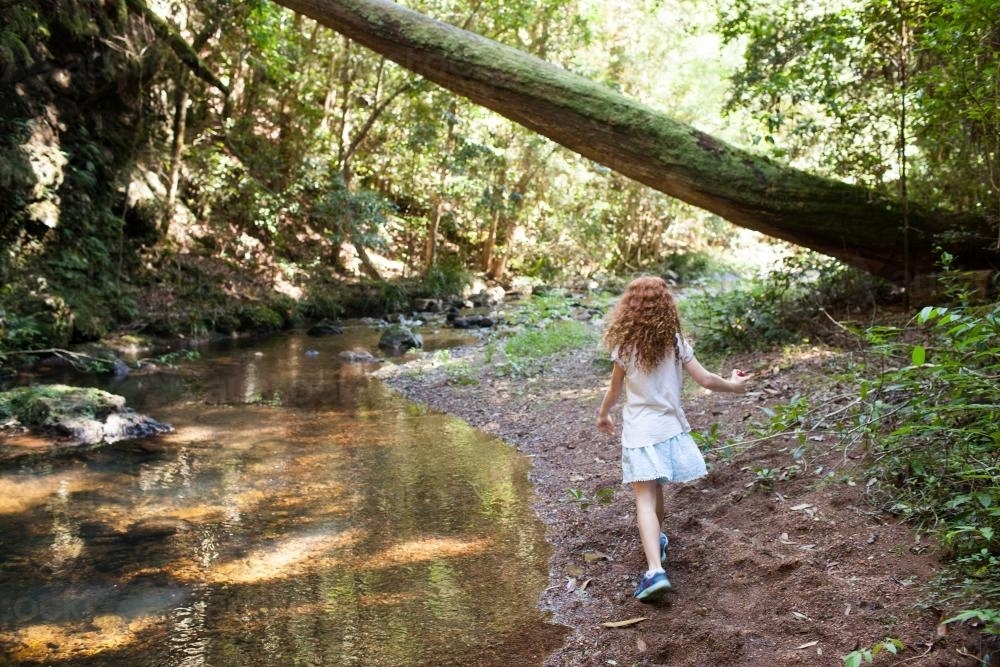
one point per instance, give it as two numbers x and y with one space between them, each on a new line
184 51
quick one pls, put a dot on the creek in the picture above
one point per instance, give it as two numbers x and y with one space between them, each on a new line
302 513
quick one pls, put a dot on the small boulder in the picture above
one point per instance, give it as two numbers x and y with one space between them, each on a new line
85 415
472 322
397 337
428 305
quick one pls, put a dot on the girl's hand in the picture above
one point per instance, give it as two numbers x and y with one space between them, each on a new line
605 424
739 380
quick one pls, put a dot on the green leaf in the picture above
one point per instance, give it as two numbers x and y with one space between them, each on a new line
852 659
918 355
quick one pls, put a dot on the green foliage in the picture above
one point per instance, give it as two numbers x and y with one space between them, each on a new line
867 655
688 267
526 348
847 87
20 332
545 307
711 440
780 308
989 618
446 278
262 317
931 419
603 496
460 372
323 301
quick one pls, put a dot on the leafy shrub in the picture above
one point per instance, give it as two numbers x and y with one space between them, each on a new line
376 298
935 442
783 307
446 278
686 267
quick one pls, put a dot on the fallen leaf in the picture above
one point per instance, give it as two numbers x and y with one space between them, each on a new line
799 508
640 645
591 556
801 617
807 645
574 570
571 584
584 584
626 622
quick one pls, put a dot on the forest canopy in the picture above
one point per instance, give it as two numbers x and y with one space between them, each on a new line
152 149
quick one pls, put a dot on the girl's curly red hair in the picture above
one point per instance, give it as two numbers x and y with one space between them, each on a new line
645 324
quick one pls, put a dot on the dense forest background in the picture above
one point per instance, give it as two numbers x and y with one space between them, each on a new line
179 168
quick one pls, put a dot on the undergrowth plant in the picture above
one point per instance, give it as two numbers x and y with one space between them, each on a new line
782 307
937 446
867 655
524 351
544 325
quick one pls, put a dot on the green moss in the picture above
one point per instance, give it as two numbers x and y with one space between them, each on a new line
260 317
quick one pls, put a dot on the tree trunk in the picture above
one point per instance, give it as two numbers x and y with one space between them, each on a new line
831 217
176 149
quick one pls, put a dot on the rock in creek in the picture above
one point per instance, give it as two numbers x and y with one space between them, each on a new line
83 415
325 328
397 337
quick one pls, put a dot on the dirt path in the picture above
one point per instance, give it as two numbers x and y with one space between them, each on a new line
776 559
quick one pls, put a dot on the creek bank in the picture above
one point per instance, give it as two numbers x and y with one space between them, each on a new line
776 560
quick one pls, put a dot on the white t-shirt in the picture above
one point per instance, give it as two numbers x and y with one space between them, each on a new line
653 410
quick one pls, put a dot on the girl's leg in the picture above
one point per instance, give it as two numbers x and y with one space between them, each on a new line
649 514
659 505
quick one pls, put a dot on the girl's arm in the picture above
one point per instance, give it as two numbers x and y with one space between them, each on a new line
604 423
709 380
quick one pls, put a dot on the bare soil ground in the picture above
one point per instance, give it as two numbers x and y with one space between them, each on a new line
775 560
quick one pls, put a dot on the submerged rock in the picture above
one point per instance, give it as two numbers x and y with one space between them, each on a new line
84 415
155 529
325 328
356 357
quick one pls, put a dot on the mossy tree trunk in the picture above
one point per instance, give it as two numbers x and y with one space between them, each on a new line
829 216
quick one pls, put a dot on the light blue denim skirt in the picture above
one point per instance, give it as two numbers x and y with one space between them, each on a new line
675 460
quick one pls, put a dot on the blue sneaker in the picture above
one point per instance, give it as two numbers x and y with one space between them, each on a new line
652 587
663 549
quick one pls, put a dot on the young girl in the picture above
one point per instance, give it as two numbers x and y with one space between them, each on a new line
644 336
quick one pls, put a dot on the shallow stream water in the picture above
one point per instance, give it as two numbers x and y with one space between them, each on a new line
301 514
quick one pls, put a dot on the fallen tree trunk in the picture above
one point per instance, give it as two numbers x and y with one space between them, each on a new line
829 216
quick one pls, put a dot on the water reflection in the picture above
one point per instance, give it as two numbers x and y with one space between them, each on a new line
301 514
